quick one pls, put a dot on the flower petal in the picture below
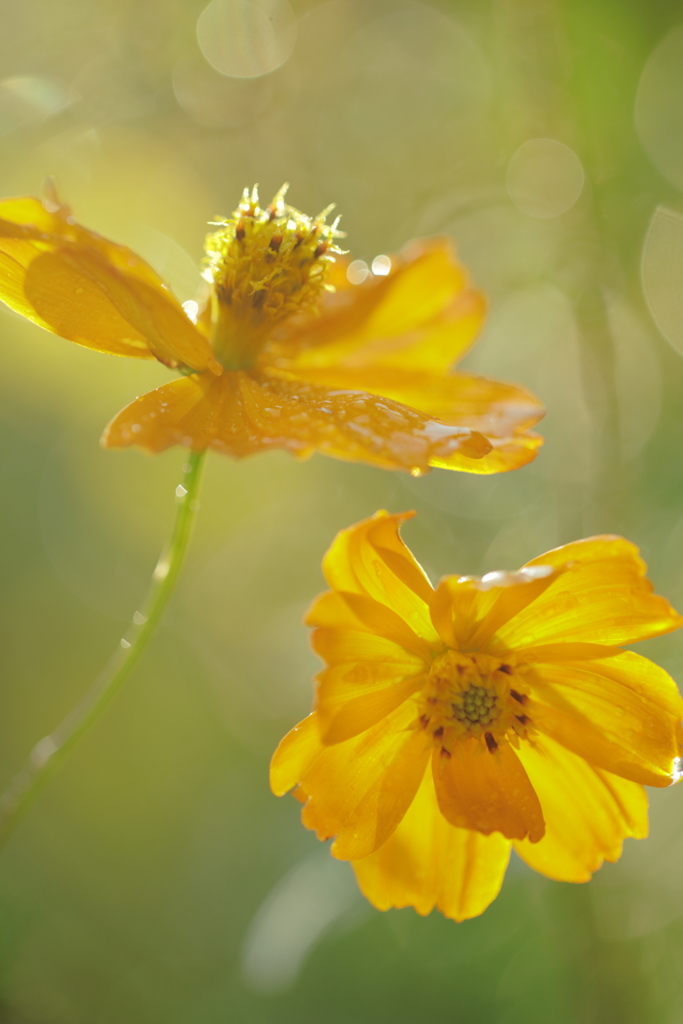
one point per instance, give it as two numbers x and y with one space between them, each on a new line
603 597
346 610
240 415
588 813
92 291
352 698
428 863
423 316
360 789
295 754
467 610
501 412
619 713
488 791
370 559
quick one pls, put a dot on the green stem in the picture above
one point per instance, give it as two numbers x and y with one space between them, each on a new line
49 752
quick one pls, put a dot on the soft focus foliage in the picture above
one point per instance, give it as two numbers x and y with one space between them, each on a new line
157 881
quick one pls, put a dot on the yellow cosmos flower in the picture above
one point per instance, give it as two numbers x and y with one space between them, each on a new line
453 723
285 352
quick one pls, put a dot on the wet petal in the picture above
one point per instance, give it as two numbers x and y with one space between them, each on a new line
603 597
241 415
619 713
92 291
360 789
428 863
487 790
588 813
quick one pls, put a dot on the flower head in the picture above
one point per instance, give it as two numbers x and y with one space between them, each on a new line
285 351
452 723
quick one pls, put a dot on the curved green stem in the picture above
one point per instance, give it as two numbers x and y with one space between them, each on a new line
49 752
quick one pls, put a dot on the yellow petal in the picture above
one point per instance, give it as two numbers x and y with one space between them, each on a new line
295 755
467 610
603 597
422 316
588 813
352 698
618 713
92 291
371 559
360 789
340 610
428 863
487 790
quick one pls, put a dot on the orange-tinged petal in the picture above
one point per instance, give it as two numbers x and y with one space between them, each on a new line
422 316
239 415
487 790
588 813
370 558
603 597
428 863
90 290
360 789
352 698
295 754
619 713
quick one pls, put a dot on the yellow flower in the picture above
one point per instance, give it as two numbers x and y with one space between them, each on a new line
453 723
285 352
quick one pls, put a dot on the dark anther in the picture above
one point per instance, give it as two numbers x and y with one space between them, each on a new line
275 242
431 700
320 249
524 719
424 719
490 742
518 696
272 212
258 298
438 732
445 753
239 231
507 669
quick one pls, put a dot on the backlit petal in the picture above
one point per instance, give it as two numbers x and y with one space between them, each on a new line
618 713
423 316
487 791
347 610
239 415
588 813
295 754
352 698
92 291
603 597
467 610
359 790
370 558
428 863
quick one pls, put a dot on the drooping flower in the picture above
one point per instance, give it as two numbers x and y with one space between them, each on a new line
285 351
453 723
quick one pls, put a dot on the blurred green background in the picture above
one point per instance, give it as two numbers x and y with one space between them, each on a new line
156 879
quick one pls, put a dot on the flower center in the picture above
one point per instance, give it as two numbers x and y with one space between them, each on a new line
264 265
471 696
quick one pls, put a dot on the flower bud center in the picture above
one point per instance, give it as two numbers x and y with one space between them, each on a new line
264 265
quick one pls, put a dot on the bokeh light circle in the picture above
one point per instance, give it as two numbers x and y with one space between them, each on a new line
659 111
246 38
544 178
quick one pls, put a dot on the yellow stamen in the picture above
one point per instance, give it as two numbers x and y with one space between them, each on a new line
264 265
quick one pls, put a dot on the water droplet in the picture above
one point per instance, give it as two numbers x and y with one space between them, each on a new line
125 643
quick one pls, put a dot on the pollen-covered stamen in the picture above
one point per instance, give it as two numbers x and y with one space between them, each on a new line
264 265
